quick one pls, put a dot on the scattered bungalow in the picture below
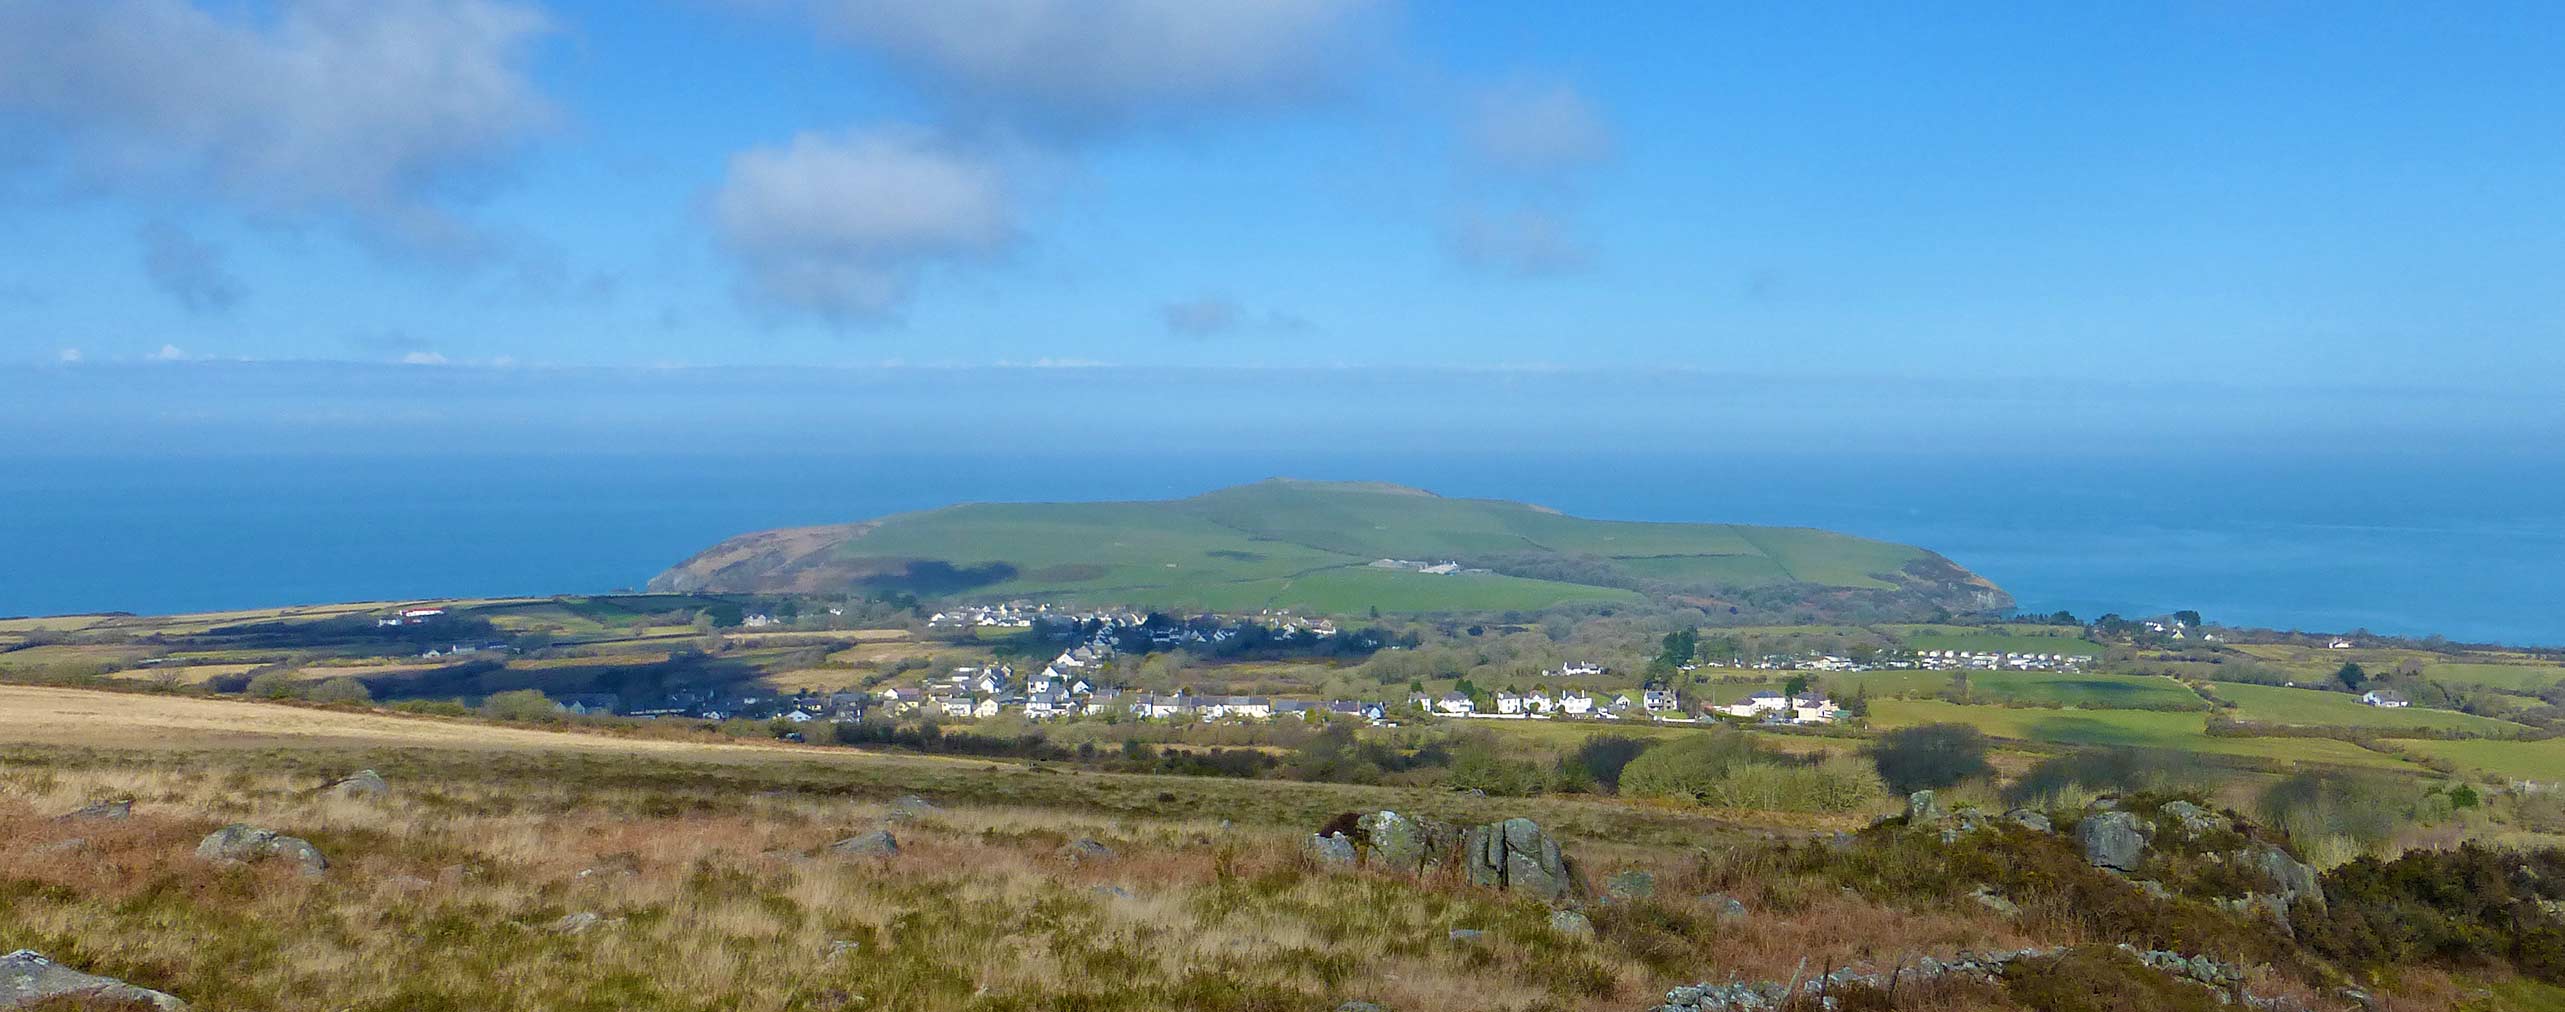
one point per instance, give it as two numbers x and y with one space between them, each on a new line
2385 698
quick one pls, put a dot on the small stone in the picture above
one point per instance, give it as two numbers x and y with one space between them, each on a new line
1921 808
239 842
1332 848
2030 819
576 924
1631 885
27 978
910 808
1361 1006
1084 849
1113 892
365 785
878 843
1467 934
1726 907
121 808
1571 924
839 947
73 845
1987 897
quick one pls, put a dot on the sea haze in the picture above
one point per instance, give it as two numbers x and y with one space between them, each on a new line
2467 548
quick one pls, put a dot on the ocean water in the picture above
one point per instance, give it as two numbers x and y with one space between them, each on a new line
2467 548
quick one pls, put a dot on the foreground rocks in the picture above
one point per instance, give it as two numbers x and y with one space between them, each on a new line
242 843
1514 855
104 811
2114 840
2223 979
27 978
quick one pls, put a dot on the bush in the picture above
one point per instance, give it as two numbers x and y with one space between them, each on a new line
519 704
272 685
1837 785
1603 757
1930 757
2466 908
1688 767
2334 816
342 690
2057 781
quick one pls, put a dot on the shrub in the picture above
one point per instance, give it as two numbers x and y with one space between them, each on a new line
1687 767
2334 816
1603 757
1837 785
2466 908
519 704
342 690
272 685
1930 756
2057 781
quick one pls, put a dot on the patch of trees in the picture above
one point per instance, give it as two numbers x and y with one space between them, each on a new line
1930 757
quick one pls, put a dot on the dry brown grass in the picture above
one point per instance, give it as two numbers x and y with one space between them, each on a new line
445 893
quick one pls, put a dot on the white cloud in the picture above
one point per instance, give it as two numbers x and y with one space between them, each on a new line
67 355
1538 129
422 358
1081 66
376 110
1525 242
189 269
169 353
840 224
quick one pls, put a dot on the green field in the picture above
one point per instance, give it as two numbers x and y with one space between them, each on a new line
1310 546
2510 760
2273 704
2122 728
2507 677
2098 691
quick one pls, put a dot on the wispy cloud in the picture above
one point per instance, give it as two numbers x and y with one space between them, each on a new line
839 225
1075 68
374 112
1527 144
1525 242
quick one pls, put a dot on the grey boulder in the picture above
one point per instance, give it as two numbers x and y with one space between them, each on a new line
1515 855
240 842
1084 849
365 785
1923 808
1332 848
2114 840
877 843
121 808
1571 924
27 978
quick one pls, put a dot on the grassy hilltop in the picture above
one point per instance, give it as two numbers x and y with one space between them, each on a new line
1310 546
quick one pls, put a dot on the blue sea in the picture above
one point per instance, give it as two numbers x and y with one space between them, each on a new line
2470 549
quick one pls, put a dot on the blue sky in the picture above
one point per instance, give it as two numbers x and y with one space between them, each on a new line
2335 196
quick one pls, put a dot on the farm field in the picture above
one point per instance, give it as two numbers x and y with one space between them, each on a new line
2187 732
2522 677
2273 704
2063 688
2509 760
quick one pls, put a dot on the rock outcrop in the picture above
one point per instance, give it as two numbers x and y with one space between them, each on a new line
2114 840
121 808
1514 855
27 978
244 843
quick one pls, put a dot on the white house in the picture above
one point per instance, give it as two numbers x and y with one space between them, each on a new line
1813 710
1510 703
1576 702
1240 707
1162 707
2382 697
2338 645
1579 668
1758 705
1455 704
1660 700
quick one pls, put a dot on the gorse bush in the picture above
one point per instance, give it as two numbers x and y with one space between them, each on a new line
2335 816
1688 767
1834 786
1930 756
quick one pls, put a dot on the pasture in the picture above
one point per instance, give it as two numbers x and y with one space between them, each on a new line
2541 761
2273 704
2097 691
2187 732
